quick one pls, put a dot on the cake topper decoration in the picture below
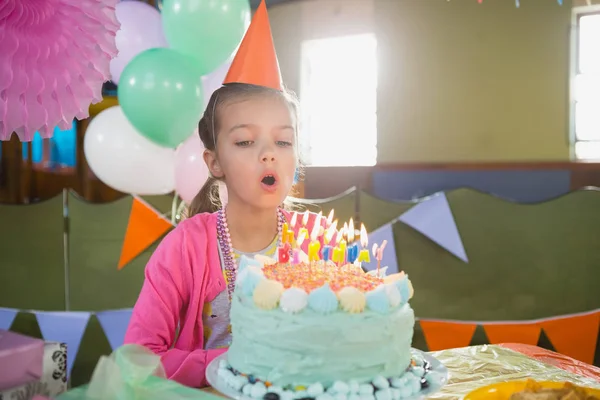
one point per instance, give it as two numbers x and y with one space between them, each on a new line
256 61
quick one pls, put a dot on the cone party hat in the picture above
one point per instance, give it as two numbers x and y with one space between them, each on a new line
256 62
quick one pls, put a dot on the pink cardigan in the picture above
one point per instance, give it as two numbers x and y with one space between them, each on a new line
183 273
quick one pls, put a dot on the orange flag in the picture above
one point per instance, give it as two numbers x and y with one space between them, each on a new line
513 333
145 226
256 61
441 335
574 336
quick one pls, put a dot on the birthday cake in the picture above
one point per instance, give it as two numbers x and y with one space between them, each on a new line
321 329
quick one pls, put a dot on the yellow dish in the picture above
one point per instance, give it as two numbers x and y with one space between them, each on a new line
503 390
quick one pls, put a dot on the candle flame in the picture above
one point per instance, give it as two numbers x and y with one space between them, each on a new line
351 231
330 232
294 218
345 231
314 235
364 238
374 251
305 218
301 238
330 218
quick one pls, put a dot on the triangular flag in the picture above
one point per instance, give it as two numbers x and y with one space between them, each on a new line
575 336
256 62
433 218
145 226
64 327
115 323
442 335
7 316
513 333
389 259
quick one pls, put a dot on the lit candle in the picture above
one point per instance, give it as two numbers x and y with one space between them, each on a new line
296 251
328 236
293 220
378 253
314 246
353 248
303 230
330 218
342 247
364 241
284 253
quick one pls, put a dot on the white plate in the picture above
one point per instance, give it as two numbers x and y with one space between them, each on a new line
440 378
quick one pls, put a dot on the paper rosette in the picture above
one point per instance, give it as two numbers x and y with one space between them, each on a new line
54 58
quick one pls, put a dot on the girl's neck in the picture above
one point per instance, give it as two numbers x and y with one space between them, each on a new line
251 230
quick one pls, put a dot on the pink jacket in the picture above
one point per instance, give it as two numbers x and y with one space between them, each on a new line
183 273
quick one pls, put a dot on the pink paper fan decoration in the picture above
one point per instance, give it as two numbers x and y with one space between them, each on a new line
54 58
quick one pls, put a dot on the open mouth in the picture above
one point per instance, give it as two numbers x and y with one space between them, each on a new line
269 180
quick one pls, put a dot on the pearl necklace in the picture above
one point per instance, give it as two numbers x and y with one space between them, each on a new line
227 249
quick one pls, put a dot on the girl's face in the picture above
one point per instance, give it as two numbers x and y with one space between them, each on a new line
256 150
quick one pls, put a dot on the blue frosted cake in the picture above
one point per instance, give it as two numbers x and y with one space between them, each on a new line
321 331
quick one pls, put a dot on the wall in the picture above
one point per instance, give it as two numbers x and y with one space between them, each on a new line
459 81
469 94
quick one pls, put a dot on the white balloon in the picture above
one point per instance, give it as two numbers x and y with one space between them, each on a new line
125 160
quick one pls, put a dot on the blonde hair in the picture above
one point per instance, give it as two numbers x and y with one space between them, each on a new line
207 200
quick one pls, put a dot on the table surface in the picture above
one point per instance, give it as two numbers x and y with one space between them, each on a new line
477 366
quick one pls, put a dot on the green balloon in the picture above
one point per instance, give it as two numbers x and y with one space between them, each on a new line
160 92
208 30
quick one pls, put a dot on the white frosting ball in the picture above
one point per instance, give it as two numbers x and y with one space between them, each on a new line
258 390
293 300
393 294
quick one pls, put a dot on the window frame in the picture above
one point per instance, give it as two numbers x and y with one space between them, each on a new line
576 14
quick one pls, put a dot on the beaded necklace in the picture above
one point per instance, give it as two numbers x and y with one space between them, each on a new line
227 249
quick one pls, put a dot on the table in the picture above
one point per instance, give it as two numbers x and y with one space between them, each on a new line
475 366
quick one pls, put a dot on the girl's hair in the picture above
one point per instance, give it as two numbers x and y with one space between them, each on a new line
207 200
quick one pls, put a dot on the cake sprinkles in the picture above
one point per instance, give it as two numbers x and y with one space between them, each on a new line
312 276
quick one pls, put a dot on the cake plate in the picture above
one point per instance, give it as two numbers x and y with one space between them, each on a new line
437 377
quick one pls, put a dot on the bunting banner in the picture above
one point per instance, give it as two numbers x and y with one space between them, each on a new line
146 225
441 335
115 323
64 327
7 316
433 218
575 336
525 333
389 259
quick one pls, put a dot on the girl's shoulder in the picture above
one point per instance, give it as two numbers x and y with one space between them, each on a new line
191 230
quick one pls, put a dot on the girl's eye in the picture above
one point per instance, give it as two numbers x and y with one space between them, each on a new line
284 143
244 143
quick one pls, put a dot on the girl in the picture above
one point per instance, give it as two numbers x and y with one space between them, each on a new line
182 313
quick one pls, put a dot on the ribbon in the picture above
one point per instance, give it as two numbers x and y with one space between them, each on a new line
133 372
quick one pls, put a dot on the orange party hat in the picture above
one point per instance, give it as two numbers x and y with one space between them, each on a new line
256 61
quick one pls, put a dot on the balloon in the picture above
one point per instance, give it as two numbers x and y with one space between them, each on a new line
125 160
208 30
191 171
214 80
141 29
161 94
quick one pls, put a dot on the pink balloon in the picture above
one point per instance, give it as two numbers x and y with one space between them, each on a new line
141 29
191 171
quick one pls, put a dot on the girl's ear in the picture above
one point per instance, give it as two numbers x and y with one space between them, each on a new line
210 158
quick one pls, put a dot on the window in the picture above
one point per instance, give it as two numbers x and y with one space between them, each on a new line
585 83
338 96
57 152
